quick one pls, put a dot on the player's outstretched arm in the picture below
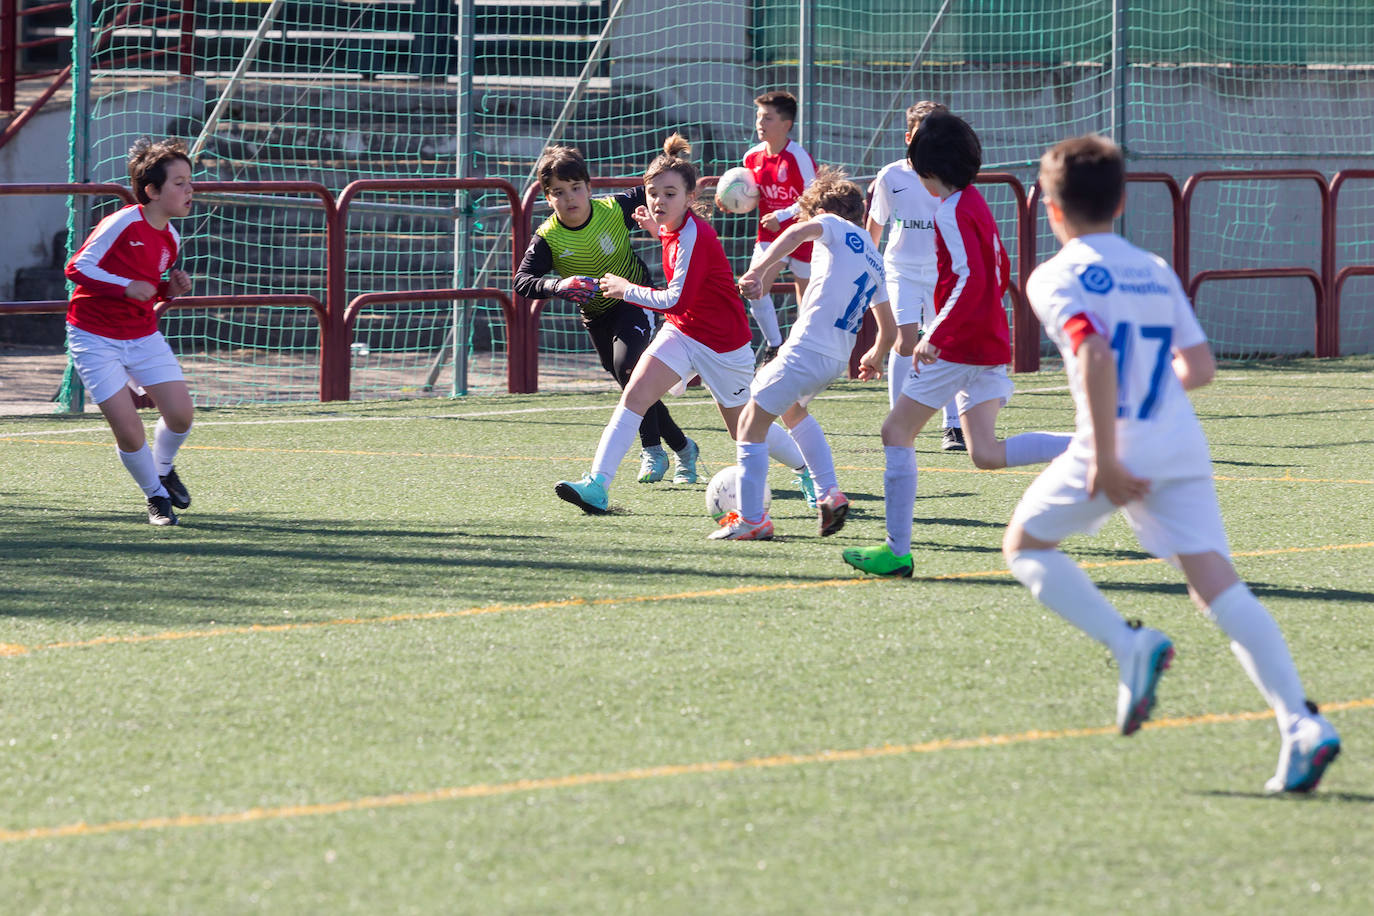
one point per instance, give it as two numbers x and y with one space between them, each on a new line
1195 366
1106 474
792 238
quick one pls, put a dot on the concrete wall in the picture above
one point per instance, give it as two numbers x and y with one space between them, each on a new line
37 154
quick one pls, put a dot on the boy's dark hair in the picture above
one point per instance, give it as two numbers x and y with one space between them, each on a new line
564 163
945 147
148 163
919 112
833 192
784 103
1085 176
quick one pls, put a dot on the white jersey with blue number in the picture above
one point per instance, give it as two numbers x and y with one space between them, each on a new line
846 275
1135 301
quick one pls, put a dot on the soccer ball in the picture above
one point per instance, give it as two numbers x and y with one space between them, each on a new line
722 493
737 192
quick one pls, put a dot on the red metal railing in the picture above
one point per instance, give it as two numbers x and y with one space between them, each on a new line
1326 341
336 314
521 342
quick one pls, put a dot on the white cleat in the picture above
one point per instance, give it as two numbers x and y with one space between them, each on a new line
1140 673
1310 743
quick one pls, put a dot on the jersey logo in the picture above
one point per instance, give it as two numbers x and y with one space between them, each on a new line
135 244
1096 279
607 243
898 190
855 243
782 171
567 253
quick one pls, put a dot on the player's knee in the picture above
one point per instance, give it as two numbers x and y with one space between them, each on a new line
985 458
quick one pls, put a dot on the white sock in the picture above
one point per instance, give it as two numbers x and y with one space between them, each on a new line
951 416
898 368
1261 649
1036 448
899 496
767 319
783 449
815 449
143 469
753 479
165 445
616 440
1062 586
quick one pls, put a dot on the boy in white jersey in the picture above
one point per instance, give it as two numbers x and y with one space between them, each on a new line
899 197
848 275
1132 347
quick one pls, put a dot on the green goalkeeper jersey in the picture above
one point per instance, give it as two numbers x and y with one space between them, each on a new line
600 246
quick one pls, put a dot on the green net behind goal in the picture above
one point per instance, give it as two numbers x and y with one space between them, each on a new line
342 90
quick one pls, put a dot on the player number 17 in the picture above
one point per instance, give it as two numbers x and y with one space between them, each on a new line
853 317
1123 342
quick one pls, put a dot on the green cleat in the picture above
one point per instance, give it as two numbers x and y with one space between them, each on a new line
879 561
653 464
807 486
588 494
686 463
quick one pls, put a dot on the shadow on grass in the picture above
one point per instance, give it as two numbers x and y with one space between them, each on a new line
1309 798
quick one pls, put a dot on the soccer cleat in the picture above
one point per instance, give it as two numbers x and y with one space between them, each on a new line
734 528
588 494
879 561
176 490
653 464
685 463
807 486
160 511
1310 743
834 508
953 440
766 354
1140 673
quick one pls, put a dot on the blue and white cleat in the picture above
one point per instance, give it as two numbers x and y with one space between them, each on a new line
1310 743
807 486
685 461
588 494
1140 673
653 464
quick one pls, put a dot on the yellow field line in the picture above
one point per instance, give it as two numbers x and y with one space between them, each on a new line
365 453
12 649
638 774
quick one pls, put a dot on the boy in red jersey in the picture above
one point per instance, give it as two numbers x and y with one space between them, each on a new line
705 334
964 351
1132 349
112 333
783 170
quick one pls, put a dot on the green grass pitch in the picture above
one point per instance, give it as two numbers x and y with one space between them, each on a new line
380 668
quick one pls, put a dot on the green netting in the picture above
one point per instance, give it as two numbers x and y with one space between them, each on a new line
342 90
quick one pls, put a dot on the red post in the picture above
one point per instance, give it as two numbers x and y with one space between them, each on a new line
186 49
9 52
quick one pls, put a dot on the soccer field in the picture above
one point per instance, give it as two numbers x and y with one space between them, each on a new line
380 668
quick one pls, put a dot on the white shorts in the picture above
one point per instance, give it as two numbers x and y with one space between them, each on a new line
794 376
969 386
105 365
1178 516
727 374
800 269
913 301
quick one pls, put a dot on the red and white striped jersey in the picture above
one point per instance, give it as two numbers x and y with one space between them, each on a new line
122 249
781 180
970 325
701 298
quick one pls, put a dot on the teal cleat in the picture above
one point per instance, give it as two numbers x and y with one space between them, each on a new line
588 494
879 561
686 463
807 486
1310 743
1135 692
653 464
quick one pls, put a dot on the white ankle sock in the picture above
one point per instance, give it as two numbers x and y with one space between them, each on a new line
616 440
1260 647
766 316
165 445
1035 448
815 450
782 449
1062 586
899 496
951 416
898 368
143 469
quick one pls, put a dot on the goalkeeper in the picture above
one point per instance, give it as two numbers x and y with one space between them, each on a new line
587 238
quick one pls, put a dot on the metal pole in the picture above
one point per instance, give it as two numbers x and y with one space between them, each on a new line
82 47
898 98
235 79
462 239
1119 84
804 66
